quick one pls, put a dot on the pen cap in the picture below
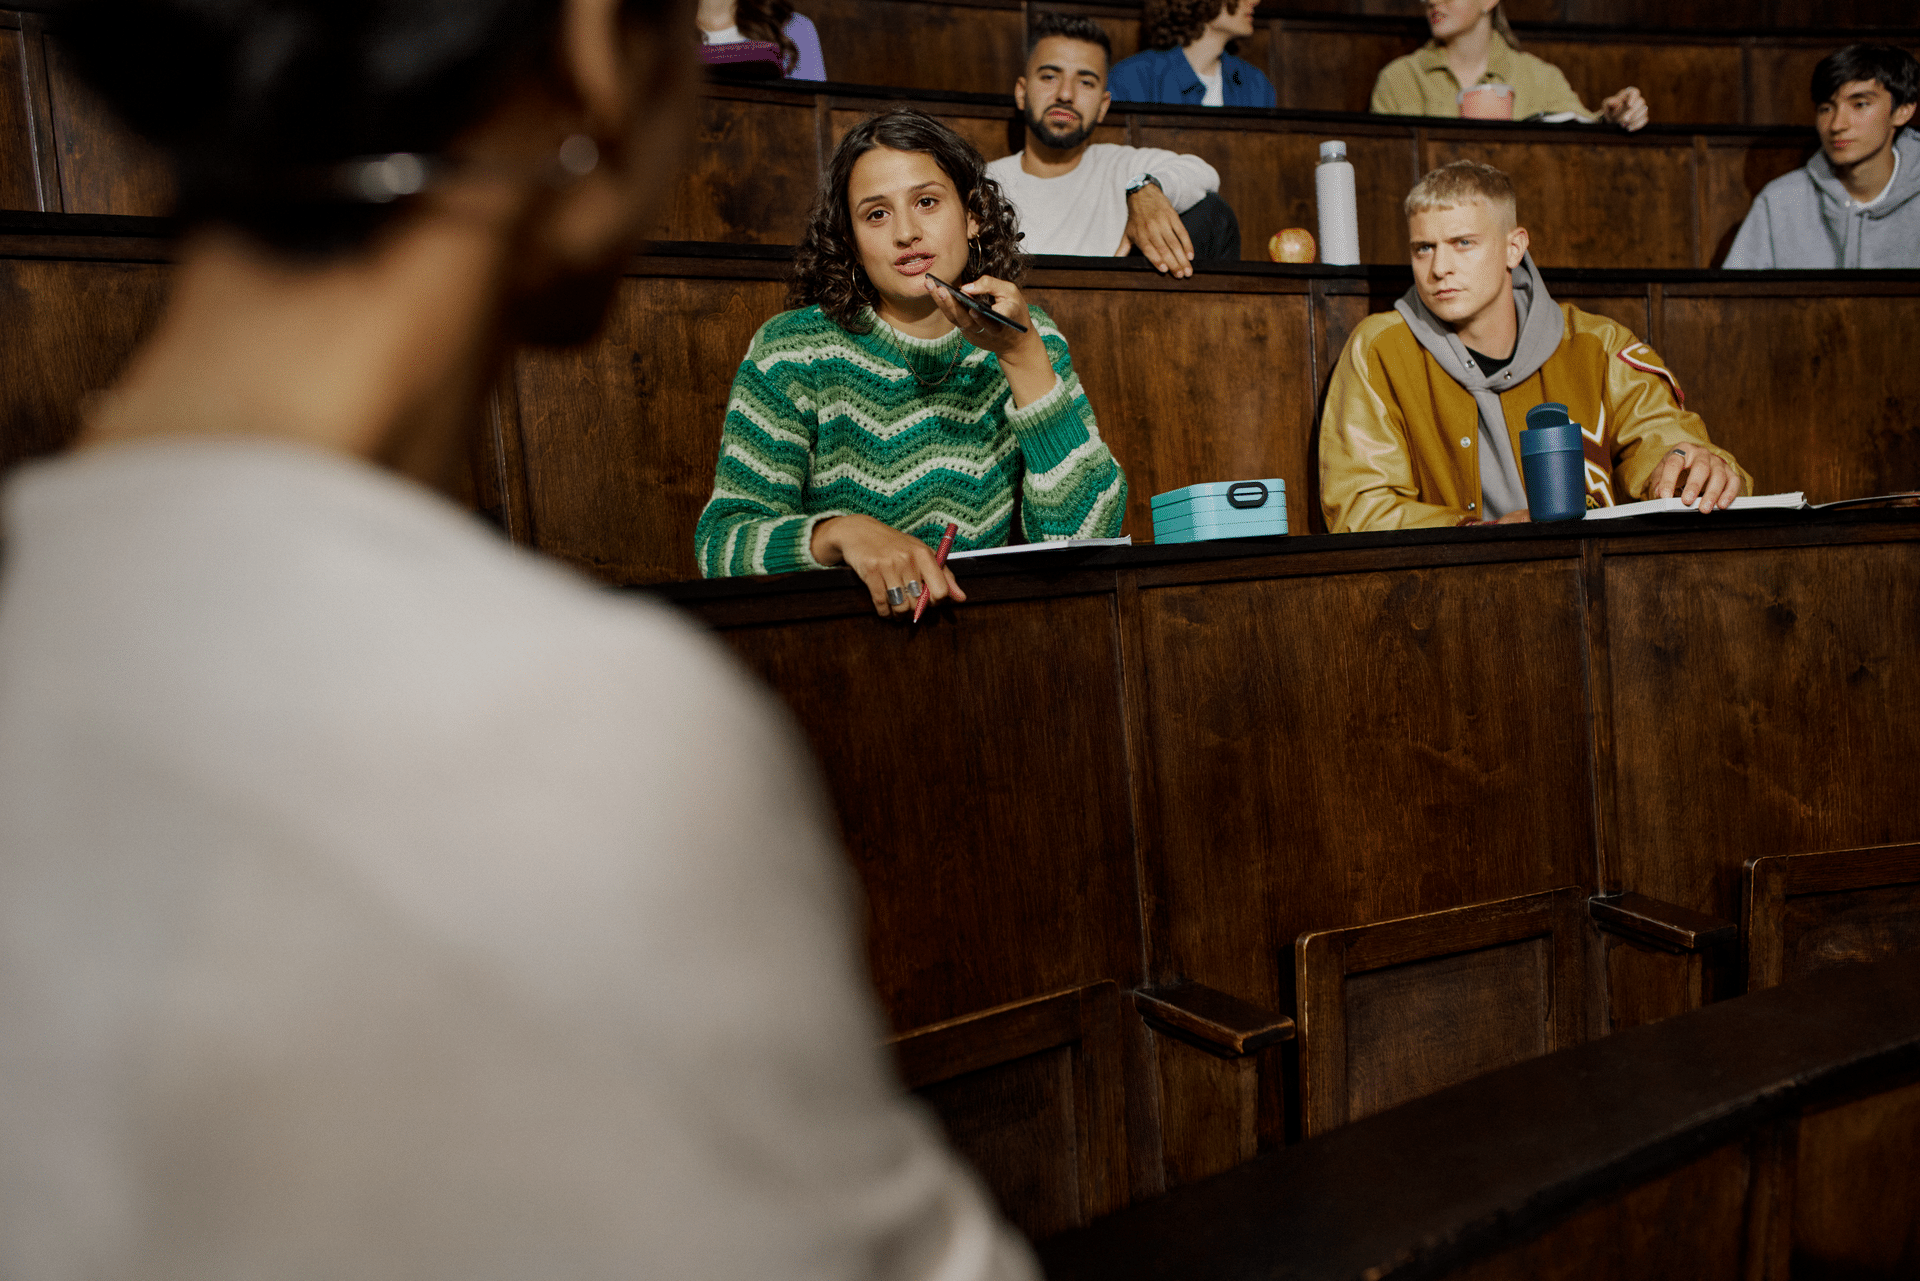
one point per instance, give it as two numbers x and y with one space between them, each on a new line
1553 464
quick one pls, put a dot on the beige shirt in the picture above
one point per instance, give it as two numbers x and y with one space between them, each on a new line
1421 84
380 902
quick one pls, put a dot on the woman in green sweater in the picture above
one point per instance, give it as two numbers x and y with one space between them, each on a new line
882 409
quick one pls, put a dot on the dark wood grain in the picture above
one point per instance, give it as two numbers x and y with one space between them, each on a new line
1331 66
1720 758
1857 1178
1223 1024
1598 202
1261 721
621 436
1809 912
750 173
1033 1094
1266 174
1817 394
1209 1109
1024 884
70 327
1394 1010
1190 414
973 48
1666 924
19 186
1688 1110
104 168
1690 82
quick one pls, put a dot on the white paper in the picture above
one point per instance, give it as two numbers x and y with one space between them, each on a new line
1654 506
1125 540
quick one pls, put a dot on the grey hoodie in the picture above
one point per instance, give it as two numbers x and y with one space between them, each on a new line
1542 326
1807 220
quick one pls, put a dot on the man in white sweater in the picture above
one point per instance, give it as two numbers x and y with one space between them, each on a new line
1099 199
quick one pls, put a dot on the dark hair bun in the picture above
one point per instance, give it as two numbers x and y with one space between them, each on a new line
250 98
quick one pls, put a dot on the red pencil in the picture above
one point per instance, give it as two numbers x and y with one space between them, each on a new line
940 559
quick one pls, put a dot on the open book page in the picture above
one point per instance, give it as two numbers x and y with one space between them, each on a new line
1655 506
1125 540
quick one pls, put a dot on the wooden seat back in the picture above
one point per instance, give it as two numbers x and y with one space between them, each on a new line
1033 1094
1810 912
1395 1010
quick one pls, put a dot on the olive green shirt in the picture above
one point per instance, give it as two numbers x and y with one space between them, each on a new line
1421 83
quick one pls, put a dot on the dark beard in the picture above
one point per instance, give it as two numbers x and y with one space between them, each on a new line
1058 140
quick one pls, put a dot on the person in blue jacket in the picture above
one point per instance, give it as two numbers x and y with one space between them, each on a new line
1186 62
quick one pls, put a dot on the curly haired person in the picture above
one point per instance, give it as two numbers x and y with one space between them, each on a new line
773 21
880 409
1188 59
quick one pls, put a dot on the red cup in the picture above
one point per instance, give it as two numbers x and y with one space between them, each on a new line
1487 102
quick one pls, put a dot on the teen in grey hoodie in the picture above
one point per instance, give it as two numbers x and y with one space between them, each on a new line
1809 218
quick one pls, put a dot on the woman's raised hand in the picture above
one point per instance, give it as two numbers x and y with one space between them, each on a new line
894 566
1023 357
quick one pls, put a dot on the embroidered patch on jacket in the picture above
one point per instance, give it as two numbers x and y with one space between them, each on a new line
1647 367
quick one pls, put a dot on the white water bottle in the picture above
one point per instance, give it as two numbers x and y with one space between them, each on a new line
1339 207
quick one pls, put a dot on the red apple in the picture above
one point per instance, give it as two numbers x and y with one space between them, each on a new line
1295 244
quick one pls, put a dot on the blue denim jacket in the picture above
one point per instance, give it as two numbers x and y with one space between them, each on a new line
1165 75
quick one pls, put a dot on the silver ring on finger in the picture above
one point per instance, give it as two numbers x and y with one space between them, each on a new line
913 590
896 597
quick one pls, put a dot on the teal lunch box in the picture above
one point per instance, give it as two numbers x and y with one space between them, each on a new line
1221 509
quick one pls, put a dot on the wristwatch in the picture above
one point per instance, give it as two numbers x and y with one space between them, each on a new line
1140 180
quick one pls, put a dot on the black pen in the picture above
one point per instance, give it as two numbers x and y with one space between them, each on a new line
971 301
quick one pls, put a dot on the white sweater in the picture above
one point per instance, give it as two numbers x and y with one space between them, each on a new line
377 901
1084 211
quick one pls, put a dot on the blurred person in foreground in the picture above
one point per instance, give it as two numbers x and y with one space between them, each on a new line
1427 402
1101 199
1473 45
376 900
880 409
1856 202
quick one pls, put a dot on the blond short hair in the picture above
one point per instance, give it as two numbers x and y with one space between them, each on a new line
1464 182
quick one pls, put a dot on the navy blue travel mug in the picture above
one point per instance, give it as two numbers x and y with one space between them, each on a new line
1554 464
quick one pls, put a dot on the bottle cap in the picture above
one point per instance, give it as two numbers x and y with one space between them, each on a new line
1332 151
1548 414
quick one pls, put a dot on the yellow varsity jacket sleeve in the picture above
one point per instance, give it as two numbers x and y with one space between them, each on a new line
1400 439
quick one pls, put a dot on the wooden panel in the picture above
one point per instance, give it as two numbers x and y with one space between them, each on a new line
1732 172
1758 708
1685 1224
621 435
1810 912
104 169
1013 875
1208 1111
1331 69
1817 394
1683 83
1396 1010
990 130
1857 1187
70 327
1033 1095
18 189
1630 309
1274 712
1645 985
1597 204
1189 414
1413 1029
1267 176
750 173
974 48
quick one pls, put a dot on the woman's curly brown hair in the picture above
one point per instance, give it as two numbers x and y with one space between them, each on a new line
1172 24
826 268
767 20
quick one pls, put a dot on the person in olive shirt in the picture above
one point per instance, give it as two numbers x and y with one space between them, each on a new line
1473 45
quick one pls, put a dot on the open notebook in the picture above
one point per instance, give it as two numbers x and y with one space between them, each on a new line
1054 545
1654 506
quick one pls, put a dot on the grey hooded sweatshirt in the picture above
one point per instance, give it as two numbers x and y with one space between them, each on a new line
1807 220
1542 325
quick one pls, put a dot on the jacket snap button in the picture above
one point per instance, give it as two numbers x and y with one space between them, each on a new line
1465 442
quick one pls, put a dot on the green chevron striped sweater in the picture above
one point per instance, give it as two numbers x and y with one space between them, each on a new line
826 423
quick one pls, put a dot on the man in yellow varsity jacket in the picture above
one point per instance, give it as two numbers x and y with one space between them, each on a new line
1425 410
